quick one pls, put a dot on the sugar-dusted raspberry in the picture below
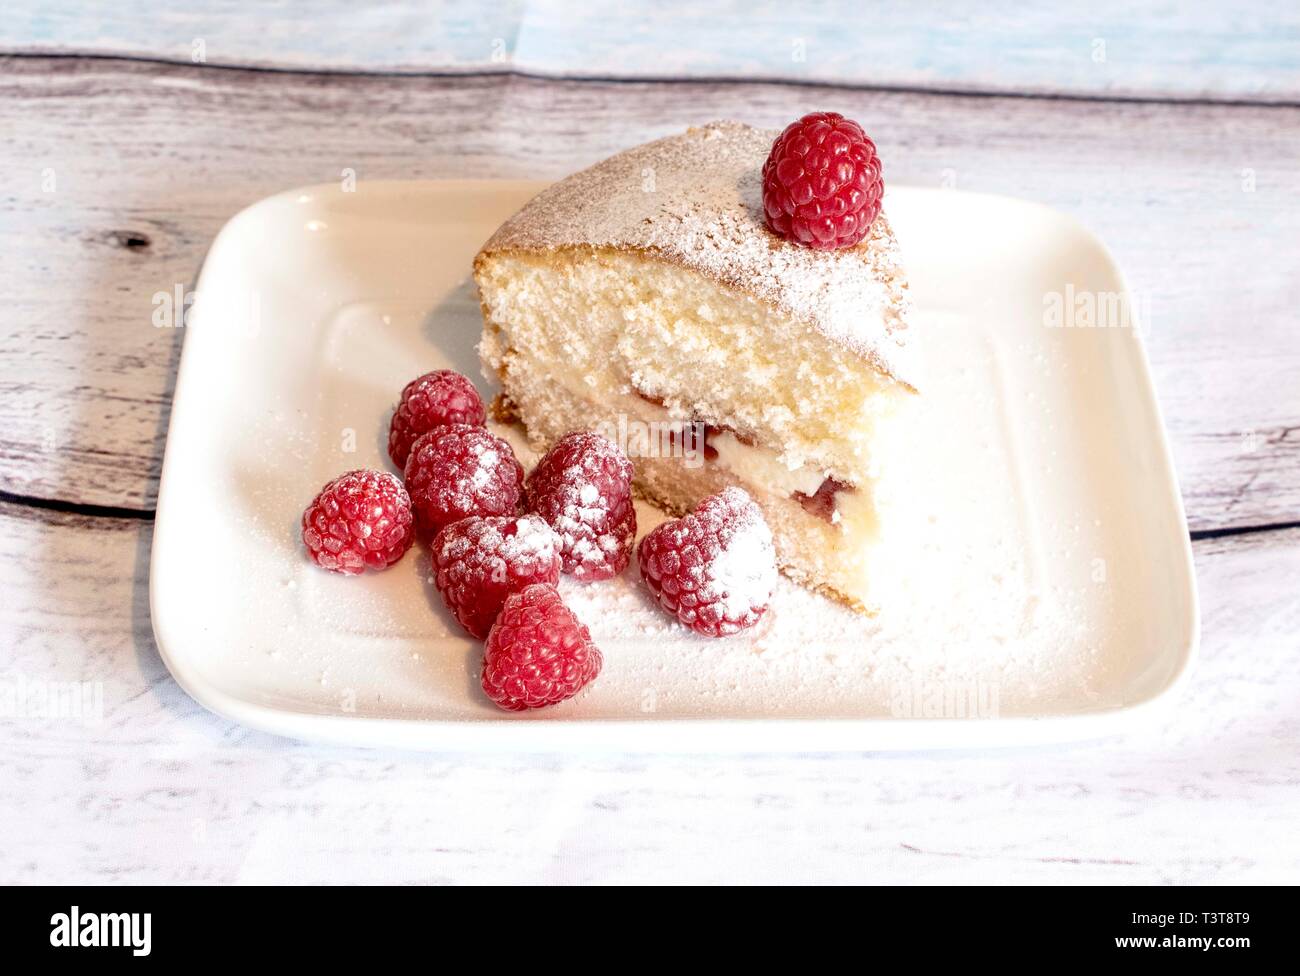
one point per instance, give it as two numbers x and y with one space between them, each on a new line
715 568
821 182
361 520
538 652
459 470
432 400
583 488
479 561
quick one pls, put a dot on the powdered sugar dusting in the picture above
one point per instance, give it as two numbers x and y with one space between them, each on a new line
477 562
501 539
487 462
696 199
459 470
811 657
743 574
580 511
583 490
714 568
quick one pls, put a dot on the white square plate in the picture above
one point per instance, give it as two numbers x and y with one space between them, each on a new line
1069 612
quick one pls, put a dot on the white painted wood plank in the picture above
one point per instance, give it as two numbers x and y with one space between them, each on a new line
169 153
1181 50
160 791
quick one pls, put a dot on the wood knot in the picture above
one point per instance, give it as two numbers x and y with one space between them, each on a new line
132 240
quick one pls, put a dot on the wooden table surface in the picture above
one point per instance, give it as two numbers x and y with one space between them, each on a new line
130 136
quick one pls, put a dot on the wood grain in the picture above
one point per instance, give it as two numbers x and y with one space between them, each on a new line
157 790
147 161
1106 48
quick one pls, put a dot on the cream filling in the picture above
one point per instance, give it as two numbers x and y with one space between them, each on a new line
763 469
758 467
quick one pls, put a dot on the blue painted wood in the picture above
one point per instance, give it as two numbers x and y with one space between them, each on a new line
1107 48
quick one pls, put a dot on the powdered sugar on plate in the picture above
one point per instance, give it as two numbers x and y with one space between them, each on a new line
809 656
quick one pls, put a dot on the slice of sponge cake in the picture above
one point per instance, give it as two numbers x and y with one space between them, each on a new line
645 297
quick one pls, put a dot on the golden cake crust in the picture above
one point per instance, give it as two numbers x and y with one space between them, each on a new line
695 199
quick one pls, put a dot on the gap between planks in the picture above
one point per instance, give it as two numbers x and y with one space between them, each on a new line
524 74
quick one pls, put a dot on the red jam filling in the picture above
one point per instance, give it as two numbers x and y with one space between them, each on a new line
822 502
690 437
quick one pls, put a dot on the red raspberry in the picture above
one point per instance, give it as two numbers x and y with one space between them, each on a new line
479 561
821 182
583 488
538 652
432 400
715 568
459 470
360 520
